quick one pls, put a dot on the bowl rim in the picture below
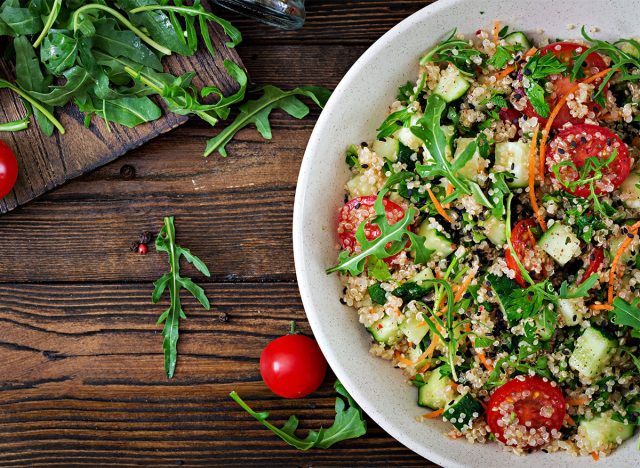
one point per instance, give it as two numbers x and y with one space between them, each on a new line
300 255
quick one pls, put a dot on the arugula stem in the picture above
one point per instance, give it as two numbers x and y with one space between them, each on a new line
51 18
123 20
15 126
24 95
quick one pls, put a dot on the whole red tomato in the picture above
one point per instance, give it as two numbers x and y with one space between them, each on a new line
293 366
8 169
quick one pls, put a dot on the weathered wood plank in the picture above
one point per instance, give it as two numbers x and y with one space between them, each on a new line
83 381
47 162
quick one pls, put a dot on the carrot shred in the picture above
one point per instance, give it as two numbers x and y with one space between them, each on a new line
428 353
512 68
448 190
532 179
554 113
438 206
595 456
483 359
464 286
570 420
616 259
496 31
577 401
433 414
600 307
403 360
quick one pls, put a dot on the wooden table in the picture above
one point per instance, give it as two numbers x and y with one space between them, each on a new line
81 375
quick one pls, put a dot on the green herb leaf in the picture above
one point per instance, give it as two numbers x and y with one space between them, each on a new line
166 242
348 424
537 69
378 295
625 313
516 303
456 51
379 270
394 121
483 342
581 290
257 112
500 58
421 253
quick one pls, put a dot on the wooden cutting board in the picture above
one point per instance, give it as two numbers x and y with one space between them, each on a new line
47 162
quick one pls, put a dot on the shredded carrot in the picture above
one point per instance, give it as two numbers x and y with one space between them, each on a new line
570 420
449 190
554 113
616 260
428 353
577 401
438 205
433 414
595 456
483 359
496 31
532 179
512 68
403 360
600 307
464 286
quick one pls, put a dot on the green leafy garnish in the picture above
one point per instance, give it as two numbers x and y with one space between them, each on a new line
581 290
502 56
394 234
535 70
517 303
378 295
257 112
349 423
166 242
393 122
456 51
625 313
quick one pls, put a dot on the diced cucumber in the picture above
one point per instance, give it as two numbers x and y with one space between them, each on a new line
462 412
414 328
406 136
435 240
452 85
630 49
424 275
601 431
414 354
629 191
518 38
385 331
592 353
571 310
544 330
614 246
387 148
560 243
475 166
437 392
513 157
359 186
494 229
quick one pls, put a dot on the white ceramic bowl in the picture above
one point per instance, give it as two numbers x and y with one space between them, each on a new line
357 106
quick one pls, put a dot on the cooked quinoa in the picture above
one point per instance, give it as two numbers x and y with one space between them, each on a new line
489 240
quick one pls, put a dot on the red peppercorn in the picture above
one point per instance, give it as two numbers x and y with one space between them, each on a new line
142 249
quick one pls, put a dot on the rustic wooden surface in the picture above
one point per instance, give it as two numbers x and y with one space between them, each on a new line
81 376
47 162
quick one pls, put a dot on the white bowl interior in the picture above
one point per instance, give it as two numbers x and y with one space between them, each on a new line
354 111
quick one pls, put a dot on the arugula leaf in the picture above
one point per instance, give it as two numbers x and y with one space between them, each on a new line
378 295
393 122
394 234
581 290
348 424
405 91
257 112
625 313
166 242
378 269
456 51
421 253
483 342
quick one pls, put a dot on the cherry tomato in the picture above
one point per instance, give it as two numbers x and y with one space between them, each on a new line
566 53
292 366
595 260
359 209
8 169
510 115
523 405
523 240
579 142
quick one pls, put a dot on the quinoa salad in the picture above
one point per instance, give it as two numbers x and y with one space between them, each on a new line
489 239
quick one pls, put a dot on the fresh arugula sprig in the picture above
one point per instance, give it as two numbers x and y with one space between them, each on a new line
456 51
166 242
349 423
257 112
627 313
579 290
621 61
503 55
535 71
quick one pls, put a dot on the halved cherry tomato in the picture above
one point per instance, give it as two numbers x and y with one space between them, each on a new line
525 405
523 240
8 169
595 260
510 115
567 53
359 209
579 142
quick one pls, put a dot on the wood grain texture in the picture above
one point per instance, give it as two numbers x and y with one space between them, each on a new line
82 381
47 162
